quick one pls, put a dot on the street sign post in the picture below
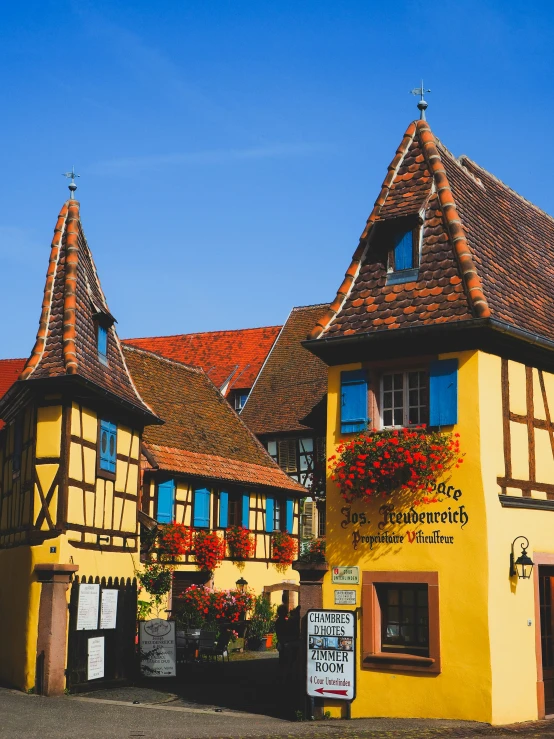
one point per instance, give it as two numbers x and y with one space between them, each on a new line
331 654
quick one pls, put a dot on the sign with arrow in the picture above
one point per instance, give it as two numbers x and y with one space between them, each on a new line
331 654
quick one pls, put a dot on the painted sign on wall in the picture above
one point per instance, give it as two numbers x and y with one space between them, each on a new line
158 656
331 654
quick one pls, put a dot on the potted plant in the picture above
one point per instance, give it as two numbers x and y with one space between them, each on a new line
241 545
261 624
284 548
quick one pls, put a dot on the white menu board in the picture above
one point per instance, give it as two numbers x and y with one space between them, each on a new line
95 662
108 609
87 611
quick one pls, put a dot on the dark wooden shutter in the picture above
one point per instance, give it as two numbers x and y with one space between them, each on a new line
353 409
443 392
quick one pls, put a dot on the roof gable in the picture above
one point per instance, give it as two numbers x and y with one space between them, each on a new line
66 342
447 286
231 359
292 385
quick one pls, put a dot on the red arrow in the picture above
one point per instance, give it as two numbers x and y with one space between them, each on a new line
336 692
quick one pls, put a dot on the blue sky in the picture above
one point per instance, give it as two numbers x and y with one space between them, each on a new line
230 152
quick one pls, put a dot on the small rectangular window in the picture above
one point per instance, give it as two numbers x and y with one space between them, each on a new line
103 343
240 400
404 618
400 621
404 398
107 452
277 515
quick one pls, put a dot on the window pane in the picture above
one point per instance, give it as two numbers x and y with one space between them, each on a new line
306 445
404 615
387 418
392 597
387 382
272 448
399 417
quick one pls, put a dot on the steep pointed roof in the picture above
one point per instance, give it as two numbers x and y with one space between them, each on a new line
448 287
72 306
232 359
290 392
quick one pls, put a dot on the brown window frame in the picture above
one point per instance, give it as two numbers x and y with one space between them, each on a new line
373 658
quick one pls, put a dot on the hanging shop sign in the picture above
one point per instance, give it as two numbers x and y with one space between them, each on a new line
87 609
158 656
345 575
345 597
95 658
331 654
108 609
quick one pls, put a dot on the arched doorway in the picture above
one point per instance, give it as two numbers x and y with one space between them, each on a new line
289 590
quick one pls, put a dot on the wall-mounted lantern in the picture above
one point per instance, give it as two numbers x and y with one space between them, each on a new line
523 565
241 584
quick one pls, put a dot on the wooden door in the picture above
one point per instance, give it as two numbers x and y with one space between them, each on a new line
546 594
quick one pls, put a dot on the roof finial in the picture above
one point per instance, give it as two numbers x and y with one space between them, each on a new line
422 104
72 186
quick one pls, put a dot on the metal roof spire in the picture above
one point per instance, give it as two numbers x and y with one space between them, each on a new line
422 104
72 186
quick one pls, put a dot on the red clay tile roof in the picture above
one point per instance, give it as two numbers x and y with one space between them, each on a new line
10 369
202 435
66 342
448 286
292 386
233 357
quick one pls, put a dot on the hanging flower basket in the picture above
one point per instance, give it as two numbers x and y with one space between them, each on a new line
155 579
284 548
408 460
209 550
174 541
241 545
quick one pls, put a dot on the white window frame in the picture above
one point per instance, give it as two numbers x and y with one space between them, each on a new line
405 396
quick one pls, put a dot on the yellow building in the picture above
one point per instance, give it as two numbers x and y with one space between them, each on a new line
444 319
203 468
70 461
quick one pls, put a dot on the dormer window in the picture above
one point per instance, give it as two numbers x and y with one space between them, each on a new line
400 240
103 344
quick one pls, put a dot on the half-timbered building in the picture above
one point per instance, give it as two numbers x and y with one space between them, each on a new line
444 319
69 461
205 469
287 410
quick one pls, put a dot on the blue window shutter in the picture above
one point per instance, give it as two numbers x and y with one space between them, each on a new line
403 252
223 510
108 446
202 508
353 408
289 515
269 514
245 513
102 341
443 392
166 499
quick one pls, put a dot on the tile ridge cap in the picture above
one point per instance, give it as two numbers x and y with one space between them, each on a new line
355 265
48 295
72 224
200 333
456 232
458 162
506 187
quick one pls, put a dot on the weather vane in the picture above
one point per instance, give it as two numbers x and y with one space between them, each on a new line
72 186
422 104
